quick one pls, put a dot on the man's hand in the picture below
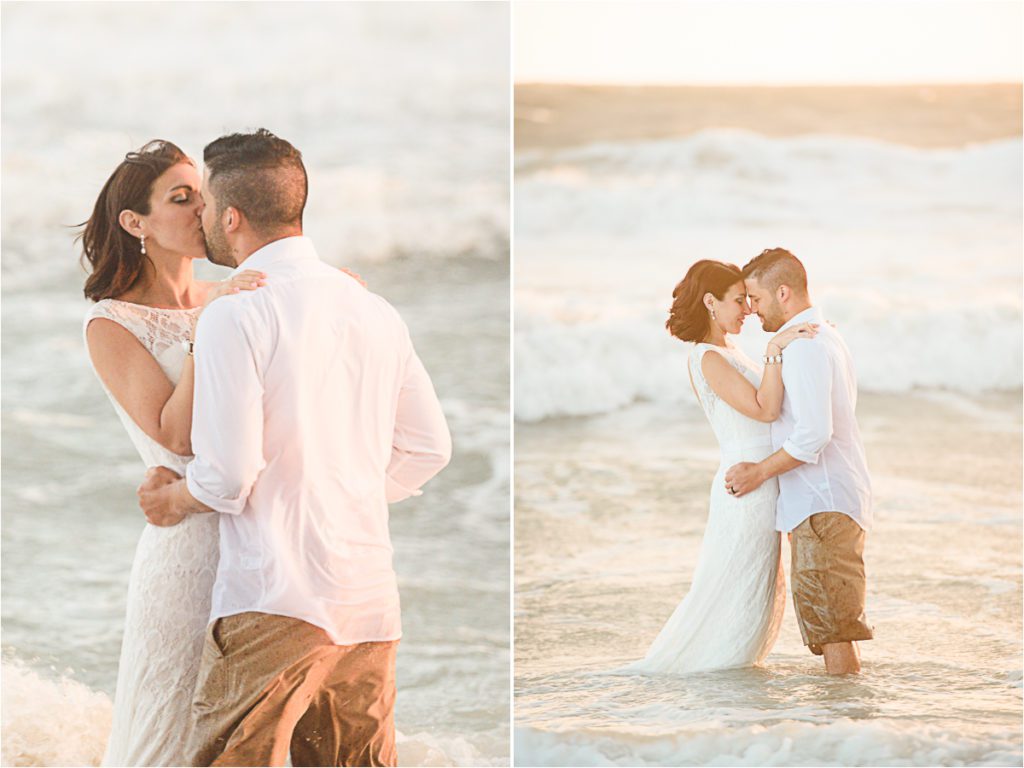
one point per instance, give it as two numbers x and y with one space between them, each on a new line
743 478
158 499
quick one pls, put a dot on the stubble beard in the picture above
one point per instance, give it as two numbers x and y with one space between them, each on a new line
217 250
771 322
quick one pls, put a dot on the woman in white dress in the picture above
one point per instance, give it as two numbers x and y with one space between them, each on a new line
140 242
731 615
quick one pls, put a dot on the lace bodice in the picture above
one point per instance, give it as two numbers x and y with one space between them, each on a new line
736 433
161 332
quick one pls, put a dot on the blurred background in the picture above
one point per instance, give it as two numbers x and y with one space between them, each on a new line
880 143
401 111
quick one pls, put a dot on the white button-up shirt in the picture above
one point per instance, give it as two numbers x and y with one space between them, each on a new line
312 412
818 426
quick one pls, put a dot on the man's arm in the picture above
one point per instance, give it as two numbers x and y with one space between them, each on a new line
421 446
227 417
227 425
748 476
810 389
165 499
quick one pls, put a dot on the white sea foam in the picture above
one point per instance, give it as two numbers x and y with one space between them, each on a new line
55 722
844 742
913 253
51 722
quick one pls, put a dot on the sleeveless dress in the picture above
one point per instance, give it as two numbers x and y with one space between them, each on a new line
732 613
171 582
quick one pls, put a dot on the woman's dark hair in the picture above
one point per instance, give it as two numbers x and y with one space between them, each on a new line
115 256
688 319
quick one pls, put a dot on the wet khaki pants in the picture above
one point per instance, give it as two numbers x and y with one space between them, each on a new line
269 684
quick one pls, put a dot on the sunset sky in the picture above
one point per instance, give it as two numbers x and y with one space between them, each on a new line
769 41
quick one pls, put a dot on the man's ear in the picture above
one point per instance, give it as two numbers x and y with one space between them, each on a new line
783 293
130 222
231 219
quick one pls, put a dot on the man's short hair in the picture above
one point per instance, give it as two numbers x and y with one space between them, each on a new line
259 174
777 266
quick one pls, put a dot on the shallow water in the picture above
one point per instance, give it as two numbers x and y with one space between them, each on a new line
609 515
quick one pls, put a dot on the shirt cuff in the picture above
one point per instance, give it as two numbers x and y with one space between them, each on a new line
799 454
216 503
395 491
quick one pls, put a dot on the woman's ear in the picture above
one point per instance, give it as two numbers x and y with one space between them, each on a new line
130 222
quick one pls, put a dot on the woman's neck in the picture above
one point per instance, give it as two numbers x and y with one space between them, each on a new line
166 281
715 335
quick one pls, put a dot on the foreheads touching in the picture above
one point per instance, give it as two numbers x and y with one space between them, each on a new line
776 275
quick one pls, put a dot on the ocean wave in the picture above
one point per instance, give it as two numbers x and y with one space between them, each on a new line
51 722
55 722
913 253
601 365
844 742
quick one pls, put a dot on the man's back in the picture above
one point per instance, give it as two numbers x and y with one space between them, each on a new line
312 370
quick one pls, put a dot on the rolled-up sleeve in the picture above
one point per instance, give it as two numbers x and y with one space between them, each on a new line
227 412
421 446
808 379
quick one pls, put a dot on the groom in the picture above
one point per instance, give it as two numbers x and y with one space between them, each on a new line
312 412
824 490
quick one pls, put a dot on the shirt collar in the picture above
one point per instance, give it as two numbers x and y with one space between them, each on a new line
809 315
285 249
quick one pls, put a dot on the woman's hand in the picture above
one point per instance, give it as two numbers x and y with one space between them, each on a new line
803 331
353 275
249 280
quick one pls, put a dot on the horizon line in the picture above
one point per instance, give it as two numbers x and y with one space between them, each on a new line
692 84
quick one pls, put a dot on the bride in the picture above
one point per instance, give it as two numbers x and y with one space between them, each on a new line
140 242
731 615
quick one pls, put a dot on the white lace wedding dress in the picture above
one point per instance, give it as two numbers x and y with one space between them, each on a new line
171 580
731 615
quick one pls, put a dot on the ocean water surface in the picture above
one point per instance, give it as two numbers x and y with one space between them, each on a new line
914 254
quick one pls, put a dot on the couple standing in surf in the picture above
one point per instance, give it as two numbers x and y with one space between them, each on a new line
279 412
792 461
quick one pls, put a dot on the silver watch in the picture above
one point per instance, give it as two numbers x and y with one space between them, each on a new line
772 359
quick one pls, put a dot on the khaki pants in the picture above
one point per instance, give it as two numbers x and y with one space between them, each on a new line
828 580
269 684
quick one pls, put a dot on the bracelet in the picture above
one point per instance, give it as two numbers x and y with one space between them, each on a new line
188 346
772 359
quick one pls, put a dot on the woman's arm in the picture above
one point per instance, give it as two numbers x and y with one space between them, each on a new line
161 409
761 404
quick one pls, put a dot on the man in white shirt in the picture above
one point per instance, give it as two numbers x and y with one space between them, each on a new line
312 412
824 489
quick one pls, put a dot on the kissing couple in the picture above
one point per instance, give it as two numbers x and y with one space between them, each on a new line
792 461
279 412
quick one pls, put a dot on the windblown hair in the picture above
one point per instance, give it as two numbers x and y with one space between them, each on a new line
261 175
688 319
115 256
777 266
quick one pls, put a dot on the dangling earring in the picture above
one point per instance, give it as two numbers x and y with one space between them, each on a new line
142 240
710 309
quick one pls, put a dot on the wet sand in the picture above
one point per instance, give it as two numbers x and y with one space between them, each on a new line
553 116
